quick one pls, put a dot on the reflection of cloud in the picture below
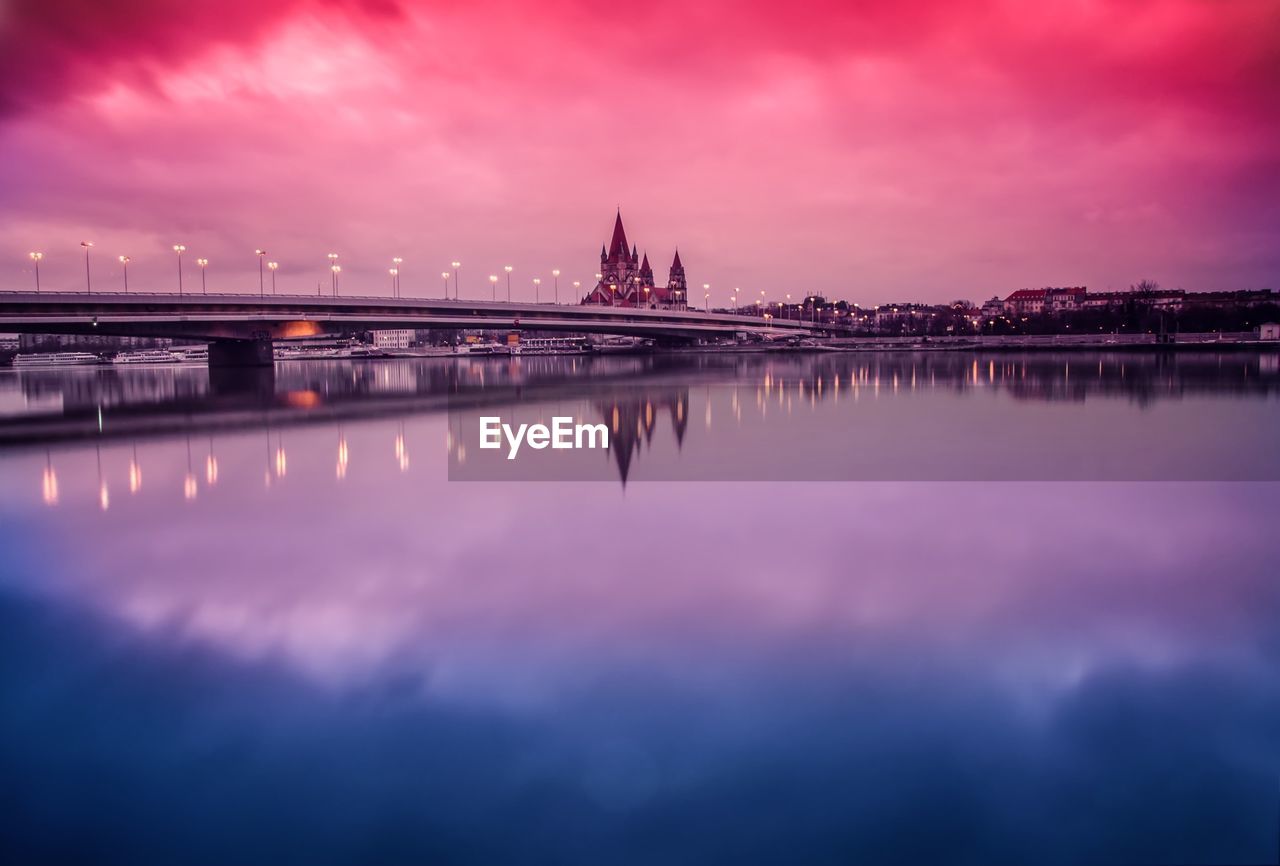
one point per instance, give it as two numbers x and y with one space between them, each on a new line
488 591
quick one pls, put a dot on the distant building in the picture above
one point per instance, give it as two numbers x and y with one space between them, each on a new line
1269 331
626 279
1031 302
399 338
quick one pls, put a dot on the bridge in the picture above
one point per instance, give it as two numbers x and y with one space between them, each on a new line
241 328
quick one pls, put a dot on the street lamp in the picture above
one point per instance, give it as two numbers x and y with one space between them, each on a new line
88 283
124 266
493 286
395 273
333 269
337 269
397 261
537 281
613 294
36 257
261 282
271 266
555 275
706 297
445 275
203 263
507 268
456 293
179 249
788 305
646 297
577 289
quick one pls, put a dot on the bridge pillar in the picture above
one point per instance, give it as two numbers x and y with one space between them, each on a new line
241 353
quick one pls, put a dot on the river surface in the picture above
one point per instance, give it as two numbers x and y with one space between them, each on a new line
899 607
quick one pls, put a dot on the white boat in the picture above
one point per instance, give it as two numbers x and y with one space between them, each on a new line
57 359
148 356
193 354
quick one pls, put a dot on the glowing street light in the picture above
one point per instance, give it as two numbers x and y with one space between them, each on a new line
456 265
124 266
262 290
204 263
36 257
88 283
395 273
335 269
272 266
577 289
445 275
507 268
493 286
537 281
396 262
706 297
179 249
555 275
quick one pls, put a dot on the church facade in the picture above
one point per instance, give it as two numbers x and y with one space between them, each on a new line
626 278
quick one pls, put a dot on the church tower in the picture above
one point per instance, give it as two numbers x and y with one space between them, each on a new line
677 285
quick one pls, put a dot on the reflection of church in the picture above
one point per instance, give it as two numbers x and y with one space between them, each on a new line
631 424
626 279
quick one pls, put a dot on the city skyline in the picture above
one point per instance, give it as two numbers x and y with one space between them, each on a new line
932 153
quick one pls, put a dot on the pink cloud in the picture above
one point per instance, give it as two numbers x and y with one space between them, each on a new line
932 150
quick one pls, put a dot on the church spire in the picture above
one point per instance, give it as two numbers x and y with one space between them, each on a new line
618 245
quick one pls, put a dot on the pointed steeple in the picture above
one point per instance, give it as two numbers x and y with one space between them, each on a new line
675 265
644 265
618 245
635 253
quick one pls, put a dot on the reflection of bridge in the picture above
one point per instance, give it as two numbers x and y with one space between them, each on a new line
241 328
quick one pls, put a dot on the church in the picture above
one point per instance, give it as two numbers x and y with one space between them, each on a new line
626 279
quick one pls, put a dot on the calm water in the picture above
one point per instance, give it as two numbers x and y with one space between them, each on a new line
254 619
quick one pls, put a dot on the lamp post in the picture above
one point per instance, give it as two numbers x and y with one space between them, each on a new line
555 276
445 275
613 294
124 266
788 305
333 269
395 274
396 262
204 263
88 282
493 286
456 293
577 289
179 249
336 269
536 283
271 266
507 268
706 297
36 257
646 297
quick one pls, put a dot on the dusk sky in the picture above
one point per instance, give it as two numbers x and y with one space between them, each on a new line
870 151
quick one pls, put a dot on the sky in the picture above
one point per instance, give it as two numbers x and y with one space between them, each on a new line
873 152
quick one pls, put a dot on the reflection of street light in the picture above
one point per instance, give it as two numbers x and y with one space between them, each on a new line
36 257
272 266
124 266
179 249
204 263
49 481
88 283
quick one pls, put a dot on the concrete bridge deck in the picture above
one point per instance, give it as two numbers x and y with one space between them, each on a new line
234 322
